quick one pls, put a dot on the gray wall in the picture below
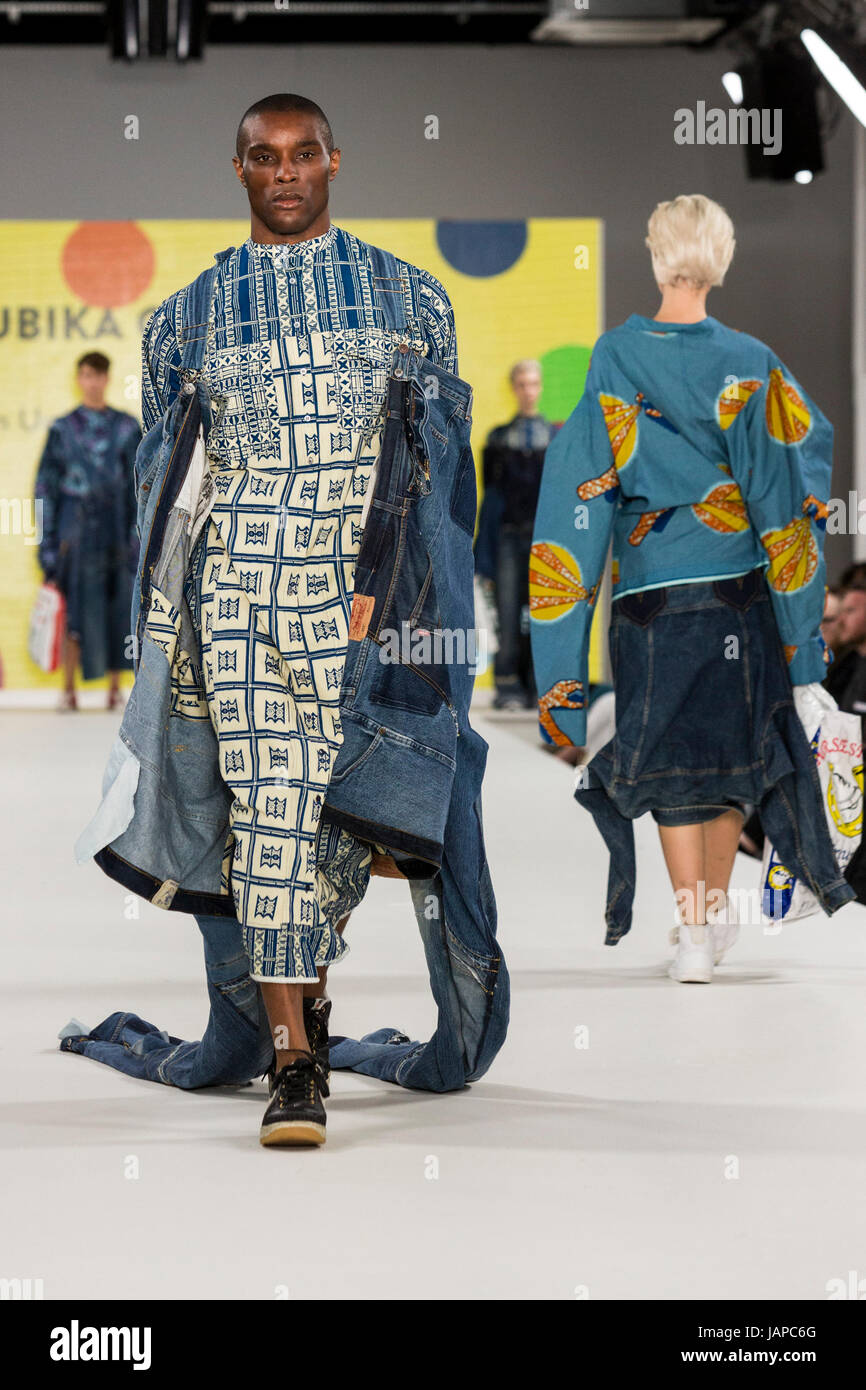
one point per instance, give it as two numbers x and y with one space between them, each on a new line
524 131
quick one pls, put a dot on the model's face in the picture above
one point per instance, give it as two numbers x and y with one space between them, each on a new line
286 170
830 630
92 384
527 388
852 617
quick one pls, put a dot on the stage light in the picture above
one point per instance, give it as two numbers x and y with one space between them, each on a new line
837 73
190 30
141 29
127 29
783 80
733 85
804 176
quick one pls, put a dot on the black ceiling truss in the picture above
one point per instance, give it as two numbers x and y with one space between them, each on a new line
141 30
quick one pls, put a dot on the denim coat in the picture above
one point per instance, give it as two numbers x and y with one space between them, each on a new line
89 547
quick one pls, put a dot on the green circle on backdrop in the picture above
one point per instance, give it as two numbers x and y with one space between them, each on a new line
564 373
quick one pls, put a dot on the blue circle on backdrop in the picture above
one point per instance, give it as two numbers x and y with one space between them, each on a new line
481 248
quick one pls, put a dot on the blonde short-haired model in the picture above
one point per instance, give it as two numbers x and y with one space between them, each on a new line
697 456
691 241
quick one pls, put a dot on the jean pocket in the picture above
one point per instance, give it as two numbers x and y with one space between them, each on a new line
349 759
147 460
411 591
242 398
740 591
404 687
365 357
641 607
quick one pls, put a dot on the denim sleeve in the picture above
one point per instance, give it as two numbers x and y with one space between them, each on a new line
129 449
160 366
49 476
486 547
780 448
573 525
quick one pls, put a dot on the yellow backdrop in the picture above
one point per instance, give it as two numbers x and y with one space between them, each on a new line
519 289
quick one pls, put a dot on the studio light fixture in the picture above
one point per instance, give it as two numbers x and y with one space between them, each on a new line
837 72
780 81
157 29
733 85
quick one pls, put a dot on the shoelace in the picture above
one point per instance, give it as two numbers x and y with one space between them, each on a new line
292 1076
316 1026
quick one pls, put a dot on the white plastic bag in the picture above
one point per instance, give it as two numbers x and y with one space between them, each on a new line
837 744
47 626
486 625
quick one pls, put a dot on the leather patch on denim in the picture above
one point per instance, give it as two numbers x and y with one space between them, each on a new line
641 608
164 895
740 591
362 612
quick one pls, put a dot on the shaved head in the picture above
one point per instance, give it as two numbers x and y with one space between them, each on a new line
288 103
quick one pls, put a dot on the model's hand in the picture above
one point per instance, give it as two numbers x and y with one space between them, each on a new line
571 754
383 866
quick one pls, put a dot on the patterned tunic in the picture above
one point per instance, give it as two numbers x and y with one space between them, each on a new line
297 362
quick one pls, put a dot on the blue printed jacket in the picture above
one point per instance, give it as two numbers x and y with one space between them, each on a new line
696 451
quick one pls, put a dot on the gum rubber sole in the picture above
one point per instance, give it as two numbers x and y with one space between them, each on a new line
291 1134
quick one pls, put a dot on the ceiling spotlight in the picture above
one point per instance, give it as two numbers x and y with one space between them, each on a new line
733 85
141 29
127 29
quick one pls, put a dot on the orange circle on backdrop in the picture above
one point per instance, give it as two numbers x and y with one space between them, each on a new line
107 264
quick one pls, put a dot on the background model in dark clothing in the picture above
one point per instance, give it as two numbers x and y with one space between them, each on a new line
513 459
89 546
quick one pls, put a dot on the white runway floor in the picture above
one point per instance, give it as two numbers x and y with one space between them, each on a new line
604 1171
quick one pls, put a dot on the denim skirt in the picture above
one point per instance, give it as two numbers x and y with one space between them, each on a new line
700 676
705 721
97 584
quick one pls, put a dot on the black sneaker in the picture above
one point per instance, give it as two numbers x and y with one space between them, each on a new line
317 1012
295 1113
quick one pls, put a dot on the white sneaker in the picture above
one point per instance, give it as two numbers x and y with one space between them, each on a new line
693 962
726 929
